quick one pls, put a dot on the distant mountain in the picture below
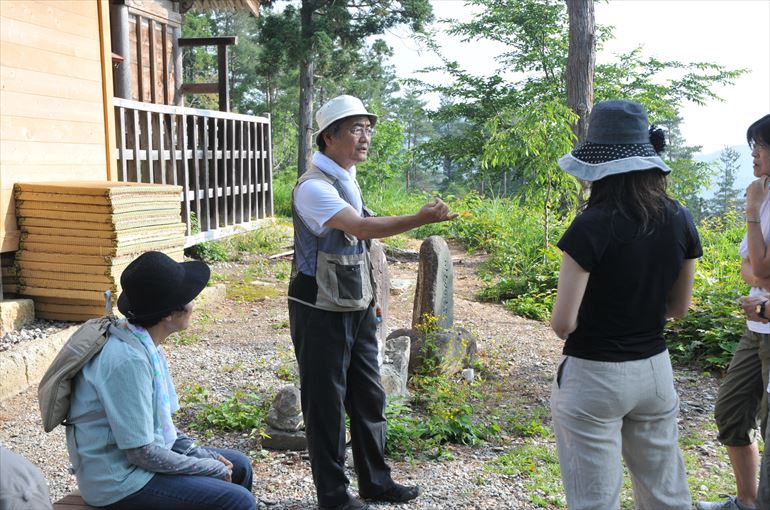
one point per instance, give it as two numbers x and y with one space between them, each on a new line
745 164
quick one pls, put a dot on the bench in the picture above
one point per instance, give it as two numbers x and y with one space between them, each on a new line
72 501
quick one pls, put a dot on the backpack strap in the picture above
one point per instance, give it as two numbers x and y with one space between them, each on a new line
115 330
127 337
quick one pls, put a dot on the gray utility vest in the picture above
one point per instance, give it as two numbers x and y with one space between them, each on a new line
332 272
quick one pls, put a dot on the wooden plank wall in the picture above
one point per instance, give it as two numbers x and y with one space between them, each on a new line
156 21
52 120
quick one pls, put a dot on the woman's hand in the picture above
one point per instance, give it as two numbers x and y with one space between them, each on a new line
756 193
749 305
229 466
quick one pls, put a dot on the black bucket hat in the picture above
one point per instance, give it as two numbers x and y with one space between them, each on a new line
619 140
155 285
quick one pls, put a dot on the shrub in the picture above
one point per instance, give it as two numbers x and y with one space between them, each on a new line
710 332
240 412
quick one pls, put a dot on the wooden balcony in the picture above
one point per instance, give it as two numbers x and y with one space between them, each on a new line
222 160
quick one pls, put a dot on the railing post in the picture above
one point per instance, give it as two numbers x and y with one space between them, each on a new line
119 33
223 78
269 176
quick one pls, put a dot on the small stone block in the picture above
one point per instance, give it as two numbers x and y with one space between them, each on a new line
282 440
400 285
16 313
212 294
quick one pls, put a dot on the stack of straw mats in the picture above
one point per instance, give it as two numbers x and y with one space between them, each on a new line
77 237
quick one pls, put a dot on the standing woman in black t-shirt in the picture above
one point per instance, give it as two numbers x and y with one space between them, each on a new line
628 264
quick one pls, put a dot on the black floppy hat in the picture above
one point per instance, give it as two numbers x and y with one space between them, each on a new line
155 285
619 140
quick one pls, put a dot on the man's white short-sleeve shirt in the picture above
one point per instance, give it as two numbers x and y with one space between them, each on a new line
317 201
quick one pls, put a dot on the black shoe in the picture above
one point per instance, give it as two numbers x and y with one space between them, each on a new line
351 504
396 494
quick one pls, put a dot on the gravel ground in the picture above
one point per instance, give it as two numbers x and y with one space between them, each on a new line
241 346
35 330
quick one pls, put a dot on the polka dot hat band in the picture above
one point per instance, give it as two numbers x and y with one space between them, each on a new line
618 141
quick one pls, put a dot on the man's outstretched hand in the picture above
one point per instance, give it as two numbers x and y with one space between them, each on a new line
435 211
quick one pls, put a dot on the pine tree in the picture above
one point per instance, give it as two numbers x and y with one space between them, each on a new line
727 196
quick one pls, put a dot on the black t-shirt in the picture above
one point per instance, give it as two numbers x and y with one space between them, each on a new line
622 315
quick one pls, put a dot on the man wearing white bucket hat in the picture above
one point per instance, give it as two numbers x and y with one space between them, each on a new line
332 312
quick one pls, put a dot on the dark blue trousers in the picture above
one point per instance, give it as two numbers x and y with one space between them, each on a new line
184 492
339 373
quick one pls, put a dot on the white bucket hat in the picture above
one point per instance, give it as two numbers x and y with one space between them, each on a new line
339 108
619 140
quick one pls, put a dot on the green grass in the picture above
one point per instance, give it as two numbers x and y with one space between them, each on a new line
204 318
708 475
286 370
269 269
400 242
280 326
270 237
184 337
247 291
538 465
241 411
529 423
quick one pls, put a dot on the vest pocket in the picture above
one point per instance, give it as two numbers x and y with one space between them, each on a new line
343 282
349 283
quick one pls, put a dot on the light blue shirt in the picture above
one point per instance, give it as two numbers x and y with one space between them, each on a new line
117 381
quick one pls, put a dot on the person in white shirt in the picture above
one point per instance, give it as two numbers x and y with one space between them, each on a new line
332 312
742 396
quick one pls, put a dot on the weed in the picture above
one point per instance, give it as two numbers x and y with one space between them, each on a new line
287 370
709 479
400 242
229 369
246 291
278 326
262 241
194 394
203 318
406 435
211 251
241 412
281 270
184 337
266 239
538 464
217 278
529 423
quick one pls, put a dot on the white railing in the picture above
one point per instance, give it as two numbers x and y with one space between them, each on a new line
223 161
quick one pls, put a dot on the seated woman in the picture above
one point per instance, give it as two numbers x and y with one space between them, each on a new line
123 445
628 263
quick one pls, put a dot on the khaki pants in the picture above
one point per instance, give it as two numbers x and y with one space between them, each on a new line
742 400
605 410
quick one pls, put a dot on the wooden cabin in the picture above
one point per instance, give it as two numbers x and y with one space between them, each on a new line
92 90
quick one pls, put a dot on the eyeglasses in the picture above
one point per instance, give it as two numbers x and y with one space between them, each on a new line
360 131
758 145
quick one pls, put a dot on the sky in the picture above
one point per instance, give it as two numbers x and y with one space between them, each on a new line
733 33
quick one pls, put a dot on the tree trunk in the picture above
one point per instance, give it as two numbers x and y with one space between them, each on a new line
581 62
306 69
505 183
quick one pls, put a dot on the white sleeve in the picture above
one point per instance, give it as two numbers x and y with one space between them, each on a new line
317 202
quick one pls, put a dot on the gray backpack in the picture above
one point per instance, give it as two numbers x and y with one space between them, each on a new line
55 389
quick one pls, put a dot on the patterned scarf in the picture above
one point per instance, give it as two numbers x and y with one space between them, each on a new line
165 398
